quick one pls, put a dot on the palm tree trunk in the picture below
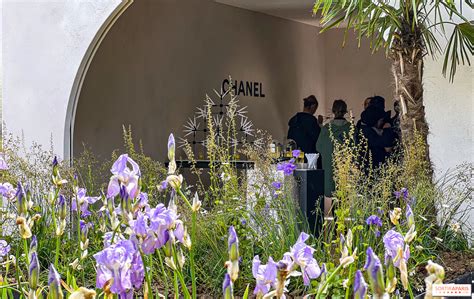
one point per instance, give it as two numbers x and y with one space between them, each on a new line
407 69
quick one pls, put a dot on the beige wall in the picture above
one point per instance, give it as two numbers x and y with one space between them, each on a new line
162 57
354 73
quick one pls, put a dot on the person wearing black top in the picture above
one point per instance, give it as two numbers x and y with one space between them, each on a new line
379 135
304 128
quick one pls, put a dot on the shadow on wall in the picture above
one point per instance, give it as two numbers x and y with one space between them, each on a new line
159 60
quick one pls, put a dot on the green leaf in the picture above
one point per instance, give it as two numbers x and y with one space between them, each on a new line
246 293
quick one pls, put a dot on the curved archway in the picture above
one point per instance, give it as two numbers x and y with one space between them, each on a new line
161 58
81 74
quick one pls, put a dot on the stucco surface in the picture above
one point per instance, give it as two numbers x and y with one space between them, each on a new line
43 43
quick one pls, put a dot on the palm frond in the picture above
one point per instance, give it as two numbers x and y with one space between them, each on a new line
460 48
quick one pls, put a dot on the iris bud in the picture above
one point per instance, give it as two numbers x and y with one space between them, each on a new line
33 271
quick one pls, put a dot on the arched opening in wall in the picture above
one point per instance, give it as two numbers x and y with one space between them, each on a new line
161 58
81 74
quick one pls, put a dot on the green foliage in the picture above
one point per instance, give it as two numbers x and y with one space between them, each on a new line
268 221
405 25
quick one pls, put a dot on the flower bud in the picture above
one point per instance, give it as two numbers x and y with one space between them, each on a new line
410 216
23 227
227 288
175 181
349 238
62 207
61 227
403 273
22 201
347 259
233 244
395 215
411 234
196 203
391 277
33 271
54 282
360 287
375 271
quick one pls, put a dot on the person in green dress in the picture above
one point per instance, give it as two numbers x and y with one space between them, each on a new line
339 128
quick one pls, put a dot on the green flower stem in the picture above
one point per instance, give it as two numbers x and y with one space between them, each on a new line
147 276
176 287
53 212
410 291
78 213
328 280
180 193
164 273
180 275
191 251
191 255
56 258
27 253
351 276
17 267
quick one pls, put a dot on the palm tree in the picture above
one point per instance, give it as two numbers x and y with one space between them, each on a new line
407 30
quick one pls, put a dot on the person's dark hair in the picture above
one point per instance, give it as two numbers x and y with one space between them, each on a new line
378 101
310 101
339 108
372 115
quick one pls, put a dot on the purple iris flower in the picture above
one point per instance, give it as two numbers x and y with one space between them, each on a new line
124 176
120 263
108 238
374 220
55 161
375 272
7 190
302 255
54 282
163 185
153 227
84 202
276 185
3 163
265 275
403 192
4 249
143 200
360 287
287 167
137 270
296 153
393 242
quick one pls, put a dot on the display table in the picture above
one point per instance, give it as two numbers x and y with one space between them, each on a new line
309 189
239 164
310 194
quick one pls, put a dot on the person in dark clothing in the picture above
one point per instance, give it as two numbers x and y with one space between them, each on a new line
380 137
359 123
304 128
